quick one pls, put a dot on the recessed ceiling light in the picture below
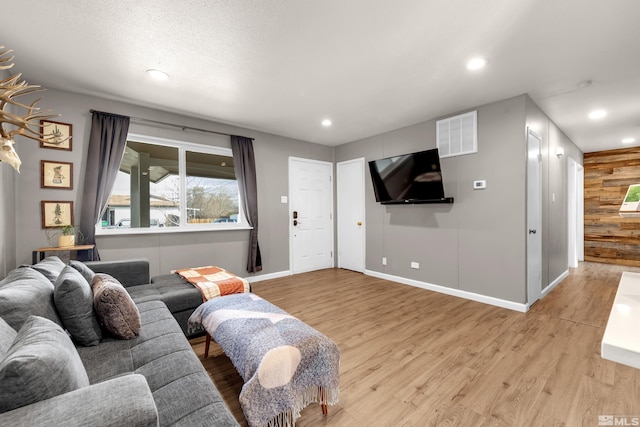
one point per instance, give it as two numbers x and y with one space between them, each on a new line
157 74
476 63
628 140
326 123
597 114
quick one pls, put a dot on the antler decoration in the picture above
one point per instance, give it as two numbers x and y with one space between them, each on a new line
10 88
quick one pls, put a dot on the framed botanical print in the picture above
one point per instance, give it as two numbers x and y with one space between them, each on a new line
56 214
56 174
58 135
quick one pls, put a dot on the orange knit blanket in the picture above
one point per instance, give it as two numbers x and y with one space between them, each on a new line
214 281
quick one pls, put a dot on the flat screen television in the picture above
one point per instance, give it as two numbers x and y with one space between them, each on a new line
410 178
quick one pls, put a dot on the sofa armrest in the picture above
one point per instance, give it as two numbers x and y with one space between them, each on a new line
128 272
125 400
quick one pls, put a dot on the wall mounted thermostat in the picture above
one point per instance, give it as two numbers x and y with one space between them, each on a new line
479 185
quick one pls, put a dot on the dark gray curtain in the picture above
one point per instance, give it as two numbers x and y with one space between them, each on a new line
245 167
107 142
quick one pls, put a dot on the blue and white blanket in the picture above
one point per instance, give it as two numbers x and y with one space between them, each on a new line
285 363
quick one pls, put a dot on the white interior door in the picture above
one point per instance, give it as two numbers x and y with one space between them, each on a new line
534 218
351 228
310 214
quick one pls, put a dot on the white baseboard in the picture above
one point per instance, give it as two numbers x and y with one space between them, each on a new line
555 283
268 276
451 291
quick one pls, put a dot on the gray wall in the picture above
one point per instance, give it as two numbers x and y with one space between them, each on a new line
8 219
554 192
478 244
165 251
7 212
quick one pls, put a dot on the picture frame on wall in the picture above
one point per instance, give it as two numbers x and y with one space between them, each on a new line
56 213
58 135
56 174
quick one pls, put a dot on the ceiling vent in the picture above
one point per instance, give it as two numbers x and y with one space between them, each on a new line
457 135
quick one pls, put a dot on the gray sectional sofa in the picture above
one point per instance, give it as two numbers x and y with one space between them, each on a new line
48 378
180 297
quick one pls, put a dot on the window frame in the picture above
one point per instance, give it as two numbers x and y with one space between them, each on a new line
184 227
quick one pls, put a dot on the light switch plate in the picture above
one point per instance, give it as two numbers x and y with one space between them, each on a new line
283 199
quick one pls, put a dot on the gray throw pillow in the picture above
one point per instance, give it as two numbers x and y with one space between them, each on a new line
86 272
50 267
41 363
26 292
74 302
116 311
7 335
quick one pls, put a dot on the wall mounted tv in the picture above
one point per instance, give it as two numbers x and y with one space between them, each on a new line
410 178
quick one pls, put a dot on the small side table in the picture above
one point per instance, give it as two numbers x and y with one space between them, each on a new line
38 254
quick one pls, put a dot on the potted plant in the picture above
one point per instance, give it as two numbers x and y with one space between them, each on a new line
68 237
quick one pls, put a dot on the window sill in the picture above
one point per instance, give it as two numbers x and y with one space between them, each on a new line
167 230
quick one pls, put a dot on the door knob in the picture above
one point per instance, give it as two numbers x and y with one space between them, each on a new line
296 222
359 223
532 231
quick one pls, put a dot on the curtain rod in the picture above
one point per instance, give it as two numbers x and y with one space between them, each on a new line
140 119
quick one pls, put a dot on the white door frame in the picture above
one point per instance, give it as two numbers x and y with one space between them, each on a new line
572 214
580 210
534 223
575 214
342 219
291 204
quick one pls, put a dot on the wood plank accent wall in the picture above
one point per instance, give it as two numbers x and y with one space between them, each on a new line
608 237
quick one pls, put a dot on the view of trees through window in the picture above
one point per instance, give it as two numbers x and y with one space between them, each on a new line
147 192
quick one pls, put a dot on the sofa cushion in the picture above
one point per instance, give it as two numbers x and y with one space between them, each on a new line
173 290
50 267
26 292
41 363
114 307
82 268
173 371
7 335
74 302
129 272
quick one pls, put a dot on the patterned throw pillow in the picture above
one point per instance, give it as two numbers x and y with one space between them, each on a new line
41 363
116 311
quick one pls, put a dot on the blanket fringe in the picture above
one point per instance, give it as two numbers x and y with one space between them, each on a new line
321 395
193 328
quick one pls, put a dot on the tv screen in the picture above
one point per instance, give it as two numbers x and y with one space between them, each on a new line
410 178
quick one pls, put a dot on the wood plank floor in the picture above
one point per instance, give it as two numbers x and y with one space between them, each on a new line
411 357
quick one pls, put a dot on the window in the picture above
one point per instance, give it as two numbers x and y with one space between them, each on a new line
172 185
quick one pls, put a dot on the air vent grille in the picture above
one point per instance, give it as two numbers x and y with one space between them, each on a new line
457 135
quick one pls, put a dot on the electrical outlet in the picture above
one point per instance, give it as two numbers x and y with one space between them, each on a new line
384 260
415 265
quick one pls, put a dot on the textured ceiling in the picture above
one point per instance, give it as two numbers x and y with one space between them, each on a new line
369 65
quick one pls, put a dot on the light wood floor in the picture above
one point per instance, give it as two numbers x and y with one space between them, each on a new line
410 357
